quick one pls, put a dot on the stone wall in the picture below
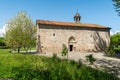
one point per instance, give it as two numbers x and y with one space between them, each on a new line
51 38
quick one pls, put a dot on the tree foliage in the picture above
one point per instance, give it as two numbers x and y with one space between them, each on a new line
115 39
114 45
117 6
115 42
20 31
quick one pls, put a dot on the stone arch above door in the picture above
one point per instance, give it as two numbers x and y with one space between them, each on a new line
71 39
72 44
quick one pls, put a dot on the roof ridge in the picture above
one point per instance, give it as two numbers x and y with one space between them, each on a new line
61 23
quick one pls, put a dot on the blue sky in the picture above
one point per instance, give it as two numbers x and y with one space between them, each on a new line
92 11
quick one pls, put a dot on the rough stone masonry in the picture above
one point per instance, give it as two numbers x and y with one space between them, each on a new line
77 36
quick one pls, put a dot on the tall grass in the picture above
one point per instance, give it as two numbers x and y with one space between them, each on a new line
31 67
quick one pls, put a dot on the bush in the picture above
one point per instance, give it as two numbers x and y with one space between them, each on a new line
64 50
55 58
54 55
4 47
29 73
114 45
110 52
2 44
90 58
79 64
117 50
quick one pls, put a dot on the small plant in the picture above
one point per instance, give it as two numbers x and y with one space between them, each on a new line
90 58
79 64
64 50
54 55
55 58
72 62
110 52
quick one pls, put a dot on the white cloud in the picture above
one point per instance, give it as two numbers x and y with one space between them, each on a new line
113 32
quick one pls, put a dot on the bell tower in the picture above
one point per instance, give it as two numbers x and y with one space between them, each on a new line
77 17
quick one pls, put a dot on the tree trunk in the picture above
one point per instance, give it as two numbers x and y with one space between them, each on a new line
18 49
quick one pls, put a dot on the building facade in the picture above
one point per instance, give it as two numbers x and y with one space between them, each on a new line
51 35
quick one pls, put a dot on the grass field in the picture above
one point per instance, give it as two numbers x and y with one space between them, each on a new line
30 67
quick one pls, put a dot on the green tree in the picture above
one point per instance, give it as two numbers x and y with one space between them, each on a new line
115 42
114 45
20 32
117 6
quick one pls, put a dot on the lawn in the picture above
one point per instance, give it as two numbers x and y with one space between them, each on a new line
30 67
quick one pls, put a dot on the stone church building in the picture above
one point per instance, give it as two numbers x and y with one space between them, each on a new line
77 36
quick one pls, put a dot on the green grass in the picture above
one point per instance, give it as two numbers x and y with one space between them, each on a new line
30 67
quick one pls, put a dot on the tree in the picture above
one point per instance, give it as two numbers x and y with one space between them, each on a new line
20 32
115 42
114 45
117 6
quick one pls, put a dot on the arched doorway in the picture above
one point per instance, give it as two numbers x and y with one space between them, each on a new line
71 44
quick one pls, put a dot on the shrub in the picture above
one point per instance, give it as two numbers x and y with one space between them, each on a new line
29 73
114 45
90 58
4 47
54 55
64 50
55 58
117 50
79 64
110 52
2 44
72 62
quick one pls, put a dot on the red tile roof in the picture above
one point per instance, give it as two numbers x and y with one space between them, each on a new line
70 24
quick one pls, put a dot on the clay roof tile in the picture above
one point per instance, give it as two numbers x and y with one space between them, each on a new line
70 24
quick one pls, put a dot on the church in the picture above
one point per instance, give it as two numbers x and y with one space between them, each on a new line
77 36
